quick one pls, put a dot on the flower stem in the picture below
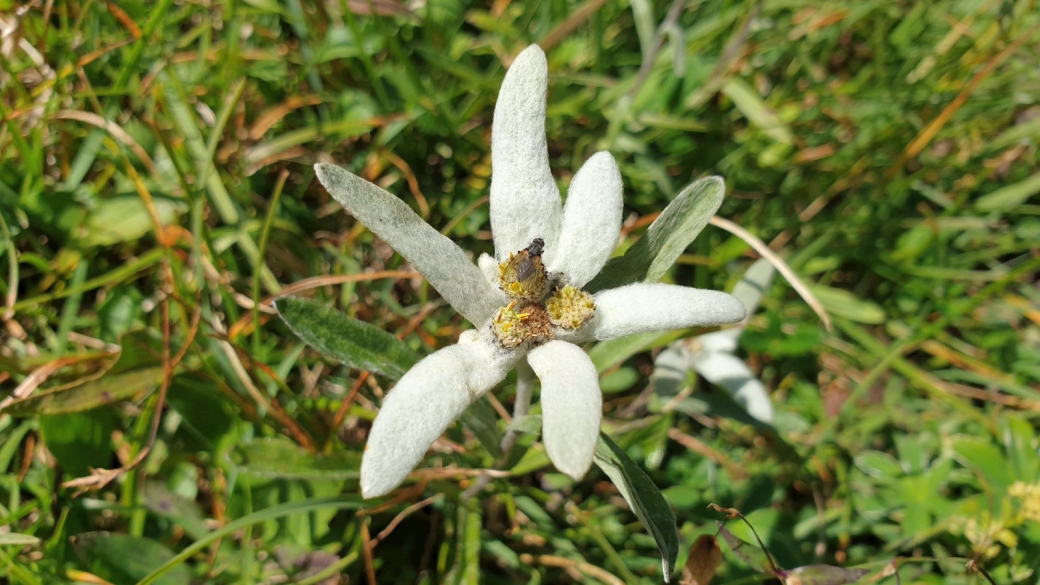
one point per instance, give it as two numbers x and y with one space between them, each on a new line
521 404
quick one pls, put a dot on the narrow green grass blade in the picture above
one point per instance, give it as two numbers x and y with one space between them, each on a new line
1008 198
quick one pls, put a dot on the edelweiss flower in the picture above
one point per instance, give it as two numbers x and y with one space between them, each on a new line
526 303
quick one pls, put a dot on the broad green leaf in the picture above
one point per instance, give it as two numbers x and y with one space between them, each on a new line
1010 197
984 458
643 497
105 390
843 303
183 512
121 558
747 100
282 459
650 257
207 414
123 219
879 464
80 440
352 342
15 539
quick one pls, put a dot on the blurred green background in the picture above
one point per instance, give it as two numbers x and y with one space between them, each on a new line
156 183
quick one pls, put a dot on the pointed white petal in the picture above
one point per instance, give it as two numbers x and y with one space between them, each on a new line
642 307
525 202
732 375
442 262
424 403
571 405
591 221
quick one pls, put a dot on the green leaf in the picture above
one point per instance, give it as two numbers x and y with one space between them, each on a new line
678 225
80 440
821 575
987 460
619 380
752 554
352 342
207 415
121 558
282 459
123 219
471 537
879 464
611 352
1021 442
530 424
757 112
105 390
1010 197
183 512
843 303
15 539
644 498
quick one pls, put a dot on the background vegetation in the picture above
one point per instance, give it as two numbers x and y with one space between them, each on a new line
156 183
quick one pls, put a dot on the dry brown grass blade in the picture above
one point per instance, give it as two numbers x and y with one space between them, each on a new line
766 252
124 19
400 518
577 569
576 19
271 116
413 183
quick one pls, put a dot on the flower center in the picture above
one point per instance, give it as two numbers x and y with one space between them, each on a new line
533 312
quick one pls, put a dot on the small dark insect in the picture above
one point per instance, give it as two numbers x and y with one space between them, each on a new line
523 276
527 265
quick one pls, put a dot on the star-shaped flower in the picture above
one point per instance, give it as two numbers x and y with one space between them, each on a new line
527 303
